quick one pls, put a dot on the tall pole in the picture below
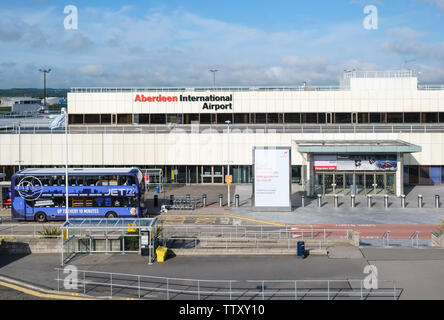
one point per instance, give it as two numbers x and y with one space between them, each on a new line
214 77
66 169
20 146
45 71
228 159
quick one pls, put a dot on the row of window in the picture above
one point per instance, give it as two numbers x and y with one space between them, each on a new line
260 118
112 180
99 202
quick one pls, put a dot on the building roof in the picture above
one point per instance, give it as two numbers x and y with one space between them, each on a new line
71 171
356 146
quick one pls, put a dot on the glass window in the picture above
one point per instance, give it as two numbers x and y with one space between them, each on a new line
189 117
92 118
296 173
105 119
174 118
430 117
207 170
424 175
217 180
310 118
412 117
144 118
413 174
75 119
124 118
322 118
217 170
435 174
273 117
261 118
241 118
292 118
205 118
342 117
222 117
158 118
393 117
376 118
362 117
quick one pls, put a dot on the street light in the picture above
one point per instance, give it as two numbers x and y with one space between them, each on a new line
214 76
45 71
228 158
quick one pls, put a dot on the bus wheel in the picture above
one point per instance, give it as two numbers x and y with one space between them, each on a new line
40 217
111 215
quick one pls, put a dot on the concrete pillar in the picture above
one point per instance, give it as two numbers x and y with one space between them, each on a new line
400 175
309 186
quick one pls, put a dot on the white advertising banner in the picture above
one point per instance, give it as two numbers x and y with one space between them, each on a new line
272 178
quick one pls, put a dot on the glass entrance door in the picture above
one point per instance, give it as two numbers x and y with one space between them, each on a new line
379 184
319 184
339 183
359 184
390 185
349 184
369 183
328 183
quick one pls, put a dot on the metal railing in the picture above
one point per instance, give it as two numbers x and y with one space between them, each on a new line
26 230
251 128
239 237
386 239
109 284
415 238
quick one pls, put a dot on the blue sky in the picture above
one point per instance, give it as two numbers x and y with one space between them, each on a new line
175 43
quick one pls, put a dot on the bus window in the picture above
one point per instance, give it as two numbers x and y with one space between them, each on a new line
80 181
90 180
44 180
72 181
113 180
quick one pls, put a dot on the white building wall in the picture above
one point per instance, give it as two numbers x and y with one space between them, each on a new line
185 149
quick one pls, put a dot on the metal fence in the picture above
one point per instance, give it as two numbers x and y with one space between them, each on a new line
107 284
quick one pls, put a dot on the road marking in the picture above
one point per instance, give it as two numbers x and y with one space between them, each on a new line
257 220
39 294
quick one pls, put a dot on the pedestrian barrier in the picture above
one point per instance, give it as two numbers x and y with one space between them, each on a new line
122 285
184 203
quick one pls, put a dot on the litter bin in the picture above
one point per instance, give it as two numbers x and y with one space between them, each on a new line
156 200
301 249
161 253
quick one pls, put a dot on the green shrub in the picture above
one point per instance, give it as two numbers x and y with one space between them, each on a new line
50 232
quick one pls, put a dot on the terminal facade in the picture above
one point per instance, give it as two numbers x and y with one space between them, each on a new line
372 134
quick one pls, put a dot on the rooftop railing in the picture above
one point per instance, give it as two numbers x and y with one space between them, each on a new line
181 129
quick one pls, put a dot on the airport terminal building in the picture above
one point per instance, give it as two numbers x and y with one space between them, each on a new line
372 134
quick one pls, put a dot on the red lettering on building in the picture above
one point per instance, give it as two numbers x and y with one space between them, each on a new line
159 98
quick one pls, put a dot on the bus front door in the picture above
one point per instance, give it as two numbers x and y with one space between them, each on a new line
29 212
21 210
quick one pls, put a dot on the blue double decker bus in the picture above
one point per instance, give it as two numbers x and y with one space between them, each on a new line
40 194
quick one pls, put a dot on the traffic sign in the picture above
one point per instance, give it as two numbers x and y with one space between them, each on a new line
228 179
